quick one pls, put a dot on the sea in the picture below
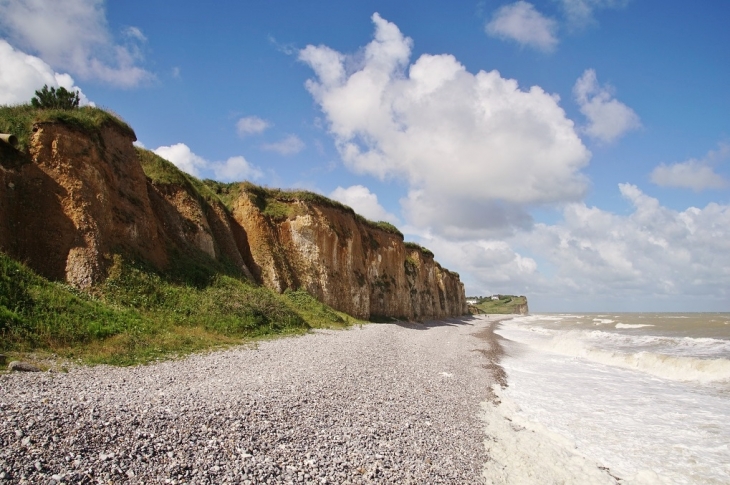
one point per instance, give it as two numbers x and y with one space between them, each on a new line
644 396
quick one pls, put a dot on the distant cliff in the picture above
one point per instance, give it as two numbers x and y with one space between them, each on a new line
500 304
77 192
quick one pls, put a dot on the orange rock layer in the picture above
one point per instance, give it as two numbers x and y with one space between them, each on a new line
76 199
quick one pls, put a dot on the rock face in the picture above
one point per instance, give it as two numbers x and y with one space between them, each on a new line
346 263
76 199
80 199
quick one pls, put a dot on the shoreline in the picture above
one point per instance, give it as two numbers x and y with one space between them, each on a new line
385 403
523 451
495 352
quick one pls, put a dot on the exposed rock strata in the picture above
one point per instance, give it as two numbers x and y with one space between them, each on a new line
347 264
76 199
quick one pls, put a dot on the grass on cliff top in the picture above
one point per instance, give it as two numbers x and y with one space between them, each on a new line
137 316
417 247
506 304
164 172
19 120
278 203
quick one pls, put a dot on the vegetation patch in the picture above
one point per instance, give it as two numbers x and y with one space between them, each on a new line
411 266
138 315
417 247
317 313
19 121
279 204
504 304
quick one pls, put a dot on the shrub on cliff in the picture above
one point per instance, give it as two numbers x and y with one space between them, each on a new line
53 98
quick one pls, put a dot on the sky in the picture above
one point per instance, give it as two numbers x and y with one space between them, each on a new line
573 151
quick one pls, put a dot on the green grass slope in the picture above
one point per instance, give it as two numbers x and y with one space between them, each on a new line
137 315
504 305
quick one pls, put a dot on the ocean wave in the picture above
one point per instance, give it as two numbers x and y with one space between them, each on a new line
632 325
672 367
602 321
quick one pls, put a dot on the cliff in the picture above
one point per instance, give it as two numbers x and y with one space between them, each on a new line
502 304
77 192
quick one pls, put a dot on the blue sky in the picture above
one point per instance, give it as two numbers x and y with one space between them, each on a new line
576 151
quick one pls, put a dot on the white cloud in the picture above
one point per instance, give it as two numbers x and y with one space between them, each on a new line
233 169
21 75
651 259
579 13
487 266
183 158
73 35
364 202
608 118
458 139
521 22
694 174
653 251
135 33
290 145
251 125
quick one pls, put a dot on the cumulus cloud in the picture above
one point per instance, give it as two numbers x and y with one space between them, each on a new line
233 169
183 158
251 125
22 74
73 35
694 174
650 258
487 266
290 145
521 22
364 202
608 118
476 139
652 251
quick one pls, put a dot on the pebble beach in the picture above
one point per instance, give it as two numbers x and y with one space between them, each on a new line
380 403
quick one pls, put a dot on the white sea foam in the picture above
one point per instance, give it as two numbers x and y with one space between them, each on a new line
526 452
677 368
602 321
633 325
594 391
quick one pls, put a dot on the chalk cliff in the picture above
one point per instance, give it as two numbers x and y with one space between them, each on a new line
72 198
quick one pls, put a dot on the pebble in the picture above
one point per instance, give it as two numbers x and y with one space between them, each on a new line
356 406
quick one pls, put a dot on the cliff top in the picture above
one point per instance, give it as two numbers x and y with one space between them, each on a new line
503 304
19 121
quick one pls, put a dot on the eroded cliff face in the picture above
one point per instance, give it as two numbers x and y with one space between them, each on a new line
76 199
350 265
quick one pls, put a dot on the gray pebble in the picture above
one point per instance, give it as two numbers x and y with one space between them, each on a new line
358 406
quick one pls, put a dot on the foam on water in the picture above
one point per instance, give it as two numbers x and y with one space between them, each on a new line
633 325
526 452
649 404
602 321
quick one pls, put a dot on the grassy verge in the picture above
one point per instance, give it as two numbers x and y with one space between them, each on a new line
138 316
